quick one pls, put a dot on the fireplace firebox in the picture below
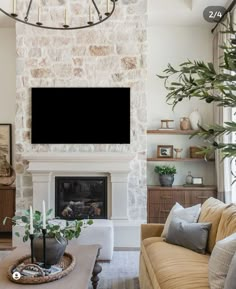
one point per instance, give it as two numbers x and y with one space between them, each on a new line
81 197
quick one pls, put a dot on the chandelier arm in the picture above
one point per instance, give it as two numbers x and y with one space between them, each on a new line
98 12
60 28
28 10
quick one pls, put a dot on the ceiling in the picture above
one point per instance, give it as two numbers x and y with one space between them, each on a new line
180 12
160 12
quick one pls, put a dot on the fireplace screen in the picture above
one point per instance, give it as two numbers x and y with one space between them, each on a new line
81 197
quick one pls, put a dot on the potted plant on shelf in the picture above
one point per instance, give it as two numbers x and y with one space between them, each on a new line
166 175
58 232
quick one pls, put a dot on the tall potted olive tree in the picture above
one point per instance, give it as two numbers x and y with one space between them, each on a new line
201 80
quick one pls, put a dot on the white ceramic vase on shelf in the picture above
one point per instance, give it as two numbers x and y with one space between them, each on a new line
195 119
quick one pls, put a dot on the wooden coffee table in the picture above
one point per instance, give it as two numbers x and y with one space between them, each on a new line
86 269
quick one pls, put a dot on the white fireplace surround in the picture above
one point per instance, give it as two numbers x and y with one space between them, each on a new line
44 167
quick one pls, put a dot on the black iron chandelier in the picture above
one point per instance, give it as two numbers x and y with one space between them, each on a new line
94 16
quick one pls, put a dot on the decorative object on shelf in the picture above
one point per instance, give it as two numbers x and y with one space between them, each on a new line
39 228
167 124
165 151
68 14
195 119
195 152
56 272
198 181
166 175
189 179
184 123
178 153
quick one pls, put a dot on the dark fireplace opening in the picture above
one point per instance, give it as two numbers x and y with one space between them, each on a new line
81 197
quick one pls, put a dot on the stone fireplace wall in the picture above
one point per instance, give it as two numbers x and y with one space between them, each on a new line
110 54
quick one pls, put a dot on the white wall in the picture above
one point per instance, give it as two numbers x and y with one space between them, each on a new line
170 44
8 77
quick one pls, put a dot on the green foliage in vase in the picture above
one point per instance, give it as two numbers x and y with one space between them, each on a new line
72 229
165 170
202 81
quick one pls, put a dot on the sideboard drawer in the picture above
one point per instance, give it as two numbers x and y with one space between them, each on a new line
196 197
160 211
161 199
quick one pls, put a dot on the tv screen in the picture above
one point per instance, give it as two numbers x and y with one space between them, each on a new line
96 115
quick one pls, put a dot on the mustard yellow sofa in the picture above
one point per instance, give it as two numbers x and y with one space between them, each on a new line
166 266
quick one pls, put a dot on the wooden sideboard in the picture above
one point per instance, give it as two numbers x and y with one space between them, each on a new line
7 206
160 200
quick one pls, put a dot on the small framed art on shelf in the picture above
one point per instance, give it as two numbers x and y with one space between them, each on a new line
197 181
165 151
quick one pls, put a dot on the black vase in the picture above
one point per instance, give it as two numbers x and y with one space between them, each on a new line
55 249
166 180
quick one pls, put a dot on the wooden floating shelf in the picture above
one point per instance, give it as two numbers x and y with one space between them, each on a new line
177 160
170 131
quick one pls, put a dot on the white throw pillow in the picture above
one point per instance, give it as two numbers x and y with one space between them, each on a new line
230 281
189 215
220 260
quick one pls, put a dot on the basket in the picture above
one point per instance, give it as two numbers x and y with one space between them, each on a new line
193 152
67 263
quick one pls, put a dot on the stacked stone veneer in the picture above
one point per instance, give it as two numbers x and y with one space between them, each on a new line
110 54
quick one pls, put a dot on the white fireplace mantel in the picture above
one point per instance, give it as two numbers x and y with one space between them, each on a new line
94 161
44 167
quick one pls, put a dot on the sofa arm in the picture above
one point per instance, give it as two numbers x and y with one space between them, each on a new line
151 230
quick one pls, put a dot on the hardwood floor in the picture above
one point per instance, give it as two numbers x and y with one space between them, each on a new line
5 241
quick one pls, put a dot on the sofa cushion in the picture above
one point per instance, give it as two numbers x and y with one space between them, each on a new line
220 260
146 242
189 214
230 281
169 218
174 267
227 225
189 235
211 213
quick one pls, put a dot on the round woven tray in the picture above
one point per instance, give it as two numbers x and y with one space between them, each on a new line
67 263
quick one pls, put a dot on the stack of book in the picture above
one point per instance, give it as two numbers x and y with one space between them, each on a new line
31 270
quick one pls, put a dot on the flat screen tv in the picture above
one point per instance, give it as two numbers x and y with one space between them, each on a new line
93 115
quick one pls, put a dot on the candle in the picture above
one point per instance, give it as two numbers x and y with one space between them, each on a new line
39 14
31 221
44 215
14 6
65 17
107 6
90 18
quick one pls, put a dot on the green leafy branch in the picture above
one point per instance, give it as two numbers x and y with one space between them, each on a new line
71 230
196 79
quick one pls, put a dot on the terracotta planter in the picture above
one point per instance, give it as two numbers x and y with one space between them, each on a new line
166 180
54 250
